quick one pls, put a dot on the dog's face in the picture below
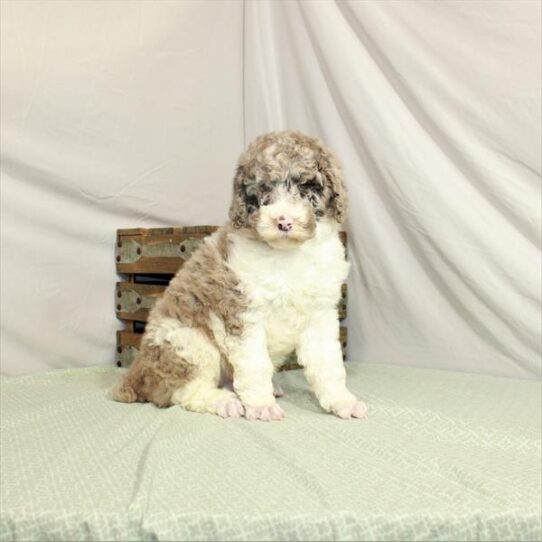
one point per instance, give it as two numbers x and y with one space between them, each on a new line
286 184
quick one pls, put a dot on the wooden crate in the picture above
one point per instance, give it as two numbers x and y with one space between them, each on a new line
148 258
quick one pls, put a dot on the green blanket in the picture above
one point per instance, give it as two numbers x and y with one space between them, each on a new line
443 456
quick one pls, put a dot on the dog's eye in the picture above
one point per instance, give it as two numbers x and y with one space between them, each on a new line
264 195
312 185
250 197
250 189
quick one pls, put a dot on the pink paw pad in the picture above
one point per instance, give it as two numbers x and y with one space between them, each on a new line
264 413
230 408
351 409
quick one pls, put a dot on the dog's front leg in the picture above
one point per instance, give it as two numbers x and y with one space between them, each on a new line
253 375
319 352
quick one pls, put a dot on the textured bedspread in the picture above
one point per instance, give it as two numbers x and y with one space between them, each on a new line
443 456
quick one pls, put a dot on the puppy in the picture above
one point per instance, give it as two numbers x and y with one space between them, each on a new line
261 287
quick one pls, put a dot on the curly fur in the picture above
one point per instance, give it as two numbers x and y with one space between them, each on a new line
266 284
278 156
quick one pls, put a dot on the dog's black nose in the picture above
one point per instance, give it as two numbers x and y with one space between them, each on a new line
285 224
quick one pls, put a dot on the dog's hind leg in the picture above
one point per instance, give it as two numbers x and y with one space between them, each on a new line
155 374
178 365
201 393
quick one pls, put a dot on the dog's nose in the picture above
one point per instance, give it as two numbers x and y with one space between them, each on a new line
285 224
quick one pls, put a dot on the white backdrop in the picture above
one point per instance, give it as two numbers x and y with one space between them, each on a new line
114 114
124 114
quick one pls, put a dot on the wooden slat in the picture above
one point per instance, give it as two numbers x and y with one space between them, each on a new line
155 253
343 302
343 337
127 347
175 230
128 338
180 230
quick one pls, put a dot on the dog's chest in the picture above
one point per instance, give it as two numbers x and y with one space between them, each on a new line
285 286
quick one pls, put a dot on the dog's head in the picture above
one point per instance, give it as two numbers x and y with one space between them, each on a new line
285 185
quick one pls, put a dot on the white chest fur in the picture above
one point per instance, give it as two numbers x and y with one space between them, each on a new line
285 286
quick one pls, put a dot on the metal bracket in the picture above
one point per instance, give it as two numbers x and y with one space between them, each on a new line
131 251
131 301
126 356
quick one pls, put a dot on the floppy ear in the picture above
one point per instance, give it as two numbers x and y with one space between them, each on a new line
334 180
238 210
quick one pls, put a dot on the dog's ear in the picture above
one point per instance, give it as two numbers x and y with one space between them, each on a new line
238 210
331 170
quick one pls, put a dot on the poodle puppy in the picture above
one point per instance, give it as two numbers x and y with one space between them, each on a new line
261 287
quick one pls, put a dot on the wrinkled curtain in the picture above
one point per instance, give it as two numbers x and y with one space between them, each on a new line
115 114
434 110
126 114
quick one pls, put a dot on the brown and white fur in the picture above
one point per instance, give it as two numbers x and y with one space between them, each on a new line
261 287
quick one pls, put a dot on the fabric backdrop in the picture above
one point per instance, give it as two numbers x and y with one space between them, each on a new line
125 114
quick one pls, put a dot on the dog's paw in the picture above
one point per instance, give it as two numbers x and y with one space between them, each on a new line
230 407
267 413
350 409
